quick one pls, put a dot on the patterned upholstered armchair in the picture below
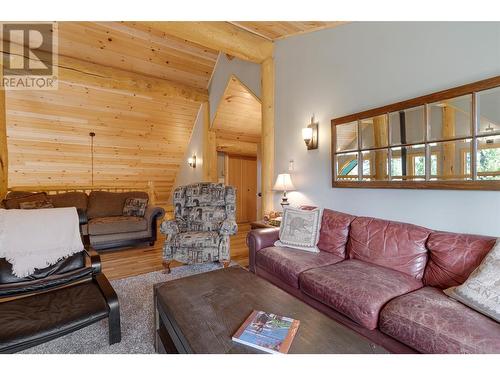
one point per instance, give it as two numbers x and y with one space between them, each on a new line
204 220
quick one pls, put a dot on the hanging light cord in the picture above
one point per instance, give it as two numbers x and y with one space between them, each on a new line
92 135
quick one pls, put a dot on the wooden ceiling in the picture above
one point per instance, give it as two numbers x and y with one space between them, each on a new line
138 47
274 30
239 115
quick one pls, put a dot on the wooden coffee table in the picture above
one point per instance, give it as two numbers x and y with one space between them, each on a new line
200 313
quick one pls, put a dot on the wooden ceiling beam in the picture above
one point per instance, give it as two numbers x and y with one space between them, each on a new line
220 36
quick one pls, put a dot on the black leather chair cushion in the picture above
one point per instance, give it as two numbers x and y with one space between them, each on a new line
52 281
68 264
35 319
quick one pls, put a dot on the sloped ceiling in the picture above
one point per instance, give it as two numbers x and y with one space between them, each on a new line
141 135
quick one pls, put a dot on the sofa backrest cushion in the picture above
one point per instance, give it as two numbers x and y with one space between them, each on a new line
453 256
70 199
15 198
105 203
398 246
334 232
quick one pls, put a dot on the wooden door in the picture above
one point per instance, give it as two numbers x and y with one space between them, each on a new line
241 172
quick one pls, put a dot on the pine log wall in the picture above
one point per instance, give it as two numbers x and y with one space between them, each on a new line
142 127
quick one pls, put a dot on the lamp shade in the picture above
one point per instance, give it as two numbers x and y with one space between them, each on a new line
284 183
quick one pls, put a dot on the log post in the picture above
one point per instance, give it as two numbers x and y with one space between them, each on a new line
209 147
4 162
267 136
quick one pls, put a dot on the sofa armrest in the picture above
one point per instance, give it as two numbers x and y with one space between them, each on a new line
152 213
259 239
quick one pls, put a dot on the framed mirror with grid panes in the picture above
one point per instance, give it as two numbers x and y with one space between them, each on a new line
445 140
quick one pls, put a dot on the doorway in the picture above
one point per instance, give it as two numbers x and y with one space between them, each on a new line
241 172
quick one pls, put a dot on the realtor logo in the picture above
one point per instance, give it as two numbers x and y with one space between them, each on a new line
29 56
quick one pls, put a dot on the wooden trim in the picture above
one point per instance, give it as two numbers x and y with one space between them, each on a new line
209 147
435 185
421 100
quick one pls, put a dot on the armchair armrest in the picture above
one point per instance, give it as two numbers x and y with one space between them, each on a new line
169 228
228 227
95 259
259 239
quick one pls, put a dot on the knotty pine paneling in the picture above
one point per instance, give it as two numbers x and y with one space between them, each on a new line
140 137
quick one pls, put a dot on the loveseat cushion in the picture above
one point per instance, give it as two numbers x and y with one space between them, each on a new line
431 322
390 244
105 203
334 232
453 257
116 224
287 264
357 289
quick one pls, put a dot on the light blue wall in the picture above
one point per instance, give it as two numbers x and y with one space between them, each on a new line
363 65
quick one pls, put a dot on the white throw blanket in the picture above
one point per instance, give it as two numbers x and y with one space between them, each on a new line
39 238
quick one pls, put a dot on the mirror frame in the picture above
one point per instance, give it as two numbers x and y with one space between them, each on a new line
474 184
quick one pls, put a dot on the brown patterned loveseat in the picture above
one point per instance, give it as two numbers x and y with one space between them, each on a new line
107 227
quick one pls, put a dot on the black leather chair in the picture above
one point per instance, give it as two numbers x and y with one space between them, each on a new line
56 300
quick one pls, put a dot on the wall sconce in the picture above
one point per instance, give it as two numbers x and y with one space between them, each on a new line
310 135
192 161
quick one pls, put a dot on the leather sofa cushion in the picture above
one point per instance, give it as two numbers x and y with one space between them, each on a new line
453 257
116 224
431 322
356 289
390 244
105 203
65 265
70 199
334 232
287 264
34 318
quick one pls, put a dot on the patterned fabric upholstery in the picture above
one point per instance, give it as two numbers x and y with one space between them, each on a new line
205 215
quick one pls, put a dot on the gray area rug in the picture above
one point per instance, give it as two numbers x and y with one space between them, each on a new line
137 318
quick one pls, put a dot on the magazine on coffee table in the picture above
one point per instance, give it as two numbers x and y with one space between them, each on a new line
270 333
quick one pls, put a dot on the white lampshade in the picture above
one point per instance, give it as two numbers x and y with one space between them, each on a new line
307 134
283 183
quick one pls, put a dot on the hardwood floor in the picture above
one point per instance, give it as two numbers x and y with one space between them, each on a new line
135 261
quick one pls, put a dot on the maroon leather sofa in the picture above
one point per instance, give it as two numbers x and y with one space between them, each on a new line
385 280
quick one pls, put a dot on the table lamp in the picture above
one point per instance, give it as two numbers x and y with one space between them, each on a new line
284 183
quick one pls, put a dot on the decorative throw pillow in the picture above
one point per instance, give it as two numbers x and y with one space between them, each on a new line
300 229
35 205
135 207
481 291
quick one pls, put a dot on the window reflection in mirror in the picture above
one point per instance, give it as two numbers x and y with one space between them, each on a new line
347 166
451 118
374 132
347 136
452 162
374 164
488 158
488 111
407 126
408 163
